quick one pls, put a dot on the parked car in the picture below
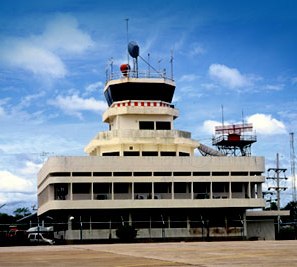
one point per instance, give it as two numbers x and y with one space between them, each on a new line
38 238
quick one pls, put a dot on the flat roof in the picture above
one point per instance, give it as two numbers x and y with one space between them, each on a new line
267 213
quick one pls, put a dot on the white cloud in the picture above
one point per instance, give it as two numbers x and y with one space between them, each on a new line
28 99
10 183
229 77
2 112
209 126
41 54
63 34
31 168
265 124
188 78
74 104
262 123
94 87
39 61
197 49
274 87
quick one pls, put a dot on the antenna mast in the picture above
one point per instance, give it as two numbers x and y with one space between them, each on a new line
222 115
127 33
171 64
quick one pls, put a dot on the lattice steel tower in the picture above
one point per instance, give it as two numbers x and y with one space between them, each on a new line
234 139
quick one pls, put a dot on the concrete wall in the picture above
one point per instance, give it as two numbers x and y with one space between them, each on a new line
261 229
105 234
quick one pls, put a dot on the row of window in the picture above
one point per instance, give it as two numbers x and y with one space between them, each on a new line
152 125
148 153
155 173
165 189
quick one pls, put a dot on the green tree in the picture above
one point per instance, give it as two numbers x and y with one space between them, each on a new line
21 212
5 221
289 223
126 233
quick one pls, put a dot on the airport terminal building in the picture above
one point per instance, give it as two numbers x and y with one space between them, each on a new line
144 173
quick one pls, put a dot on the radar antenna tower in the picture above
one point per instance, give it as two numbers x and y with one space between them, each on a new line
232 140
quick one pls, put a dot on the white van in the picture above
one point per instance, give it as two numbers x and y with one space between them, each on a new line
38 238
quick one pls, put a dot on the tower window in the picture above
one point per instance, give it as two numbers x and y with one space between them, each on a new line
146 125
163 125
168 153
149 153
131 153
110 153
183 154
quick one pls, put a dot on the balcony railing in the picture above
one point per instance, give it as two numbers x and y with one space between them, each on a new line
158 196
108 135
115 75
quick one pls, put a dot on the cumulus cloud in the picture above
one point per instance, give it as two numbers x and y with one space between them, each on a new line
274 87
93 87
229 77
41 54
262 123
39 61
2 112
74 104
63 34
31 168
188 78
197 49
11 183
265 124
209 126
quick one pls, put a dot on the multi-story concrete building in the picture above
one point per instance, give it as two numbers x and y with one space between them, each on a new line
145 173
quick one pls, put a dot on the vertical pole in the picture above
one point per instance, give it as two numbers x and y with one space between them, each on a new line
171 64
127 32
292 155
80 223
223 118
149 66
277 192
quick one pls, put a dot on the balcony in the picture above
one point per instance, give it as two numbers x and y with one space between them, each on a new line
108 135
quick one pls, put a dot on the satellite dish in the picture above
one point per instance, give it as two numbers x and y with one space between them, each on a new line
133 49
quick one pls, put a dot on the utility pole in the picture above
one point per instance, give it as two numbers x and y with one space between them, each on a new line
278 175
292 156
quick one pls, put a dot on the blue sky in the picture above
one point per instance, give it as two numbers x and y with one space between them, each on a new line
53 57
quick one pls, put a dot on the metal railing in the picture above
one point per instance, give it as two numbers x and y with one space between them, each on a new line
108 135
115 75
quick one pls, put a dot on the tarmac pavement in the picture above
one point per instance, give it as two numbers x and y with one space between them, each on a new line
200 254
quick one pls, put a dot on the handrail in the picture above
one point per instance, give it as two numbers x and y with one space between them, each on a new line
133 74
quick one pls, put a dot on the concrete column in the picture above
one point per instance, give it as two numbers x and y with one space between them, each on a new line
112 191
210 189
188 223
244 224
192 190
71 193
249 189
259 190
230 190
153 191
